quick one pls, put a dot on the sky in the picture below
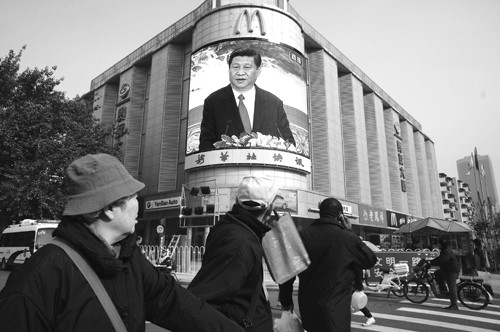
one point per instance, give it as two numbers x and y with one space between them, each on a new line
438 59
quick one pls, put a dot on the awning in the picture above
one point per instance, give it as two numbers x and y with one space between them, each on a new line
433 225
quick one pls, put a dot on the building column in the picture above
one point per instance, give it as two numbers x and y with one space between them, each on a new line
326 129
423 174
393 138
162 135
411 173
354 139
377 158
437 204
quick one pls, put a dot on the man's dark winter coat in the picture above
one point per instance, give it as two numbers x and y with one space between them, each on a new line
232 269
221 116
325 288
49 293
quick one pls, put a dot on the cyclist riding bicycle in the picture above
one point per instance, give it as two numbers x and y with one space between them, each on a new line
448 272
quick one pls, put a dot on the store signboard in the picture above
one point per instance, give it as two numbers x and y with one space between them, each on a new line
162 203
387 259
395 219
372 216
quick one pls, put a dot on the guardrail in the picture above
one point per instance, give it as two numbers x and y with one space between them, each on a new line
188 259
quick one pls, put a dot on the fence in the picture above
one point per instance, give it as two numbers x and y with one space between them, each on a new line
187 259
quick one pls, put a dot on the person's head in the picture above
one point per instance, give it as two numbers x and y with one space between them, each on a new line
443 243
256 195
100 188
331 208
477 242
244 68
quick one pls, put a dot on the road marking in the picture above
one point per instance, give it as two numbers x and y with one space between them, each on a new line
433 305
456 327
378 328
450 314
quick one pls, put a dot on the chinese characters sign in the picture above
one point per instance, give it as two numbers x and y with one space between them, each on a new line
387 259
249 157
372 216
399 148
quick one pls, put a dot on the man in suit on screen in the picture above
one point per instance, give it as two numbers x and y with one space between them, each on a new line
241 106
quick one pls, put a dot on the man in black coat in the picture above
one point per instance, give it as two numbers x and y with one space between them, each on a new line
231 274
448 272
325 288
49 293
220 110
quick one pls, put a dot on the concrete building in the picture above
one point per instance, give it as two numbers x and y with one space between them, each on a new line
481 180
457 200
465 206
353 141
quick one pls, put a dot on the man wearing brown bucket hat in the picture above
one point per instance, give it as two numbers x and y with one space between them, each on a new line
49 293
231 274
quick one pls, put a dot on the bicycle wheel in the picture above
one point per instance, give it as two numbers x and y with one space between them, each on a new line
416 291
473 296
401 283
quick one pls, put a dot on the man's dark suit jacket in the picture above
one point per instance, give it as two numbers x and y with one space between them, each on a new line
221 116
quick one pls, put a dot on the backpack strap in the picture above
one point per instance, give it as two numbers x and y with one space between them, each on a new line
94 282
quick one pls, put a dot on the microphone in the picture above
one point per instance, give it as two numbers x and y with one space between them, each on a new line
229 122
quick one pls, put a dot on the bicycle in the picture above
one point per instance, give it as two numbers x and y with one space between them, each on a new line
470 291
392 280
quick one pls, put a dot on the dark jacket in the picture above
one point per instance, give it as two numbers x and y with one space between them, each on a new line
447 261
221 116
480 262
325 288
49 293
232 269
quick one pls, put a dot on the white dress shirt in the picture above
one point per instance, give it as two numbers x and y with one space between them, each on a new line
249 102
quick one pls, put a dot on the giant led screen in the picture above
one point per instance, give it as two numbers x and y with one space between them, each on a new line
282 73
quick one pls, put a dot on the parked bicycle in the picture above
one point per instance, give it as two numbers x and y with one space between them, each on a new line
471 291
392 280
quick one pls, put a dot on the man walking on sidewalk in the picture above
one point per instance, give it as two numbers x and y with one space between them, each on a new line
231 274
325 288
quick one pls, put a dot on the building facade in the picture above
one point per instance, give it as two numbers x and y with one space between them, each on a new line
478 172
457 199
353 141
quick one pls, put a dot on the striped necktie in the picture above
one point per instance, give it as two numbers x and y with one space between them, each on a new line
244 115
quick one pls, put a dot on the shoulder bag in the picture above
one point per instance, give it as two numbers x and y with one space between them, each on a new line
95 283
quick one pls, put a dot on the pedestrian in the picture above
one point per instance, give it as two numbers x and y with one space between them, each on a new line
480 260
231 275
415 244
359 276
358 287
49 293
448 272
325 287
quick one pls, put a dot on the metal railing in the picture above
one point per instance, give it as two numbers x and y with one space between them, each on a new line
187 259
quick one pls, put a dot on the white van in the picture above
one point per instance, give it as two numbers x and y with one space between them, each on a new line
19 241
